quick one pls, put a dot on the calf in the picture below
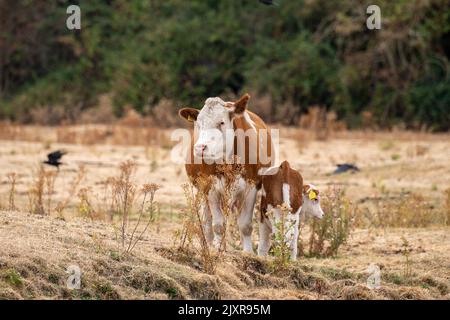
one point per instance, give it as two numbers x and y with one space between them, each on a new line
283 189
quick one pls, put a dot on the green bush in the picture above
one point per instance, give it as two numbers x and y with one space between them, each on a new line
302 53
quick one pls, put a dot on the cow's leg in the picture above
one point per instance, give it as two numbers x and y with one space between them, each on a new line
217 218
207 223
245 219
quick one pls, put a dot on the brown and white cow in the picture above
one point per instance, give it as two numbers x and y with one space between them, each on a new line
283 189
218 130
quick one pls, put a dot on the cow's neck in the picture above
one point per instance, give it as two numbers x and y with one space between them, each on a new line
244 123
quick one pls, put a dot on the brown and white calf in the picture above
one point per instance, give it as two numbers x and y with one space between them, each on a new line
216 141
283 189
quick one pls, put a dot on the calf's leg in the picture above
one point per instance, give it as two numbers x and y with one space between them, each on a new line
265 232
293 222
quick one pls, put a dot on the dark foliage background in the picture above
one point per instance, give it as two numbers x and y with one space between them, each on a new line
301 53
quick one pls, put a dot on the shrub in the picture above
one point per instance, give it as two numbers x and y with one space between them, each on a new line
281 249
43 184
13 277
333 230
125 192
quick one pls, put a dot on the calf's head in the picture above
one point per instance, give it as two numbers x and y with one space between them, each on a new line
311 201
213 126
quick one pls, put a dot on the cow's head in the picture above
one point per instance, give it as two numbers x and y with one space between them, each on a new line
311 201
213 126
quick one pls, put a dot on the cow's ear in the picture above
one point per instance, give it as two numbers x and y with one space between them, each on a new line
306 188
241 104
189 114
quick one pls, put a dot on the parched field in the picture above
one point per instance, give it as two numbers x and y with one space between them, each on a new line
401 173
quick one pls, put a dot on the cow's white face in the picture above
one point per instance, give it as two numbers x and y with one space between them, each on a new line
311 201
214 130
213 127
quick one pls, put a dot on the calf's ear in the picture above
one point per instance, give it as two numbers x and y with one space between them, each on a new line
189 114
240 105
306 188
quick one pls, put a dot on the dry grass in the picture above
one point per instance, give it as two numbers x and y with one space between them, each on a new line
35 267
411 211
447 206
81 216
12 176
76 181
122 133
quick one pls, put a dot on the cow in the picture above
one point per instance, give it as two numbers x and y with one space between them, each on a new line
283 189
218 129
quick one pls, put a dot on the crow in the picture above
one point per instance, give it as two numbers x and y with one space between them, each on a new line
54 157
344 167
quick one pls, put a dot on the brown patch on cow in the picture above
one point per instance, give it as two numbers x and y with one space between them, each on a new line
273 187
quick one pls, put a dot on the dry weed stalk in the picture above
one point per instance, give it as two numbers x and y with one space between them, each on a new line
193 231
50 177
61 206
406 251
124 194
230 173
148 191
36 193
85 207
12 176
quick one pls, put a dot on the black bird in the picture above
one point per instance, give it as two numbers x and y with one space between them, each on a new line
268 2
54 157
344 167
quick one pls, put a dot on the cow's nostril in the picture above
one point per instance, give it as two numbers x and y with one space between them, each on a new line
200 148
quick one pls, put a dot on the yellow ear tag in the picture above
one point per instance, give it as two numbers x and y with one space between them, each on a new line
312 195
190 118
